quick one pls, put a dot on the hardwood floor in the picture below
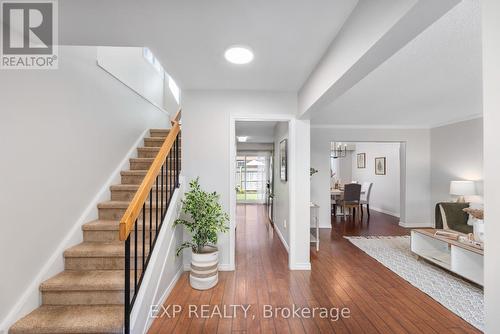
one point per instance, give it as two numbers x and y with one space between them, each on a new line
342 276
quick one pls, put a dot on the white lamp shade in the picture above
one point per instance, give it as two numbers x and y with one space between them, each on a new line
462 188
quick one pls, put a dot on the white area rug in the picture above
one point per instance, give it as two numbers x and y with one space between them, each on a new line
457 295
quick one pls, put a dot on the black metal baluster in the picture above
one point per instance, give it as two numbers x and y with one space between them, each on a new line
127 285
143 238
179 161
176 161
136 235
177 166
169 171
150 218
156 218
171 174
161 197
174 156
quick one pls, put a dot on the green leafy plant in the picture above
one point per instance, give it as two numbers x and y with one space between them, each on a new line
207 218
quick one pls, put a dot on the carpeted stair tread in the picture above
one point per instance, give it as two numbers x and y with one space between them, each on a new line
132 187
159 132
136 172
110 225
100 249
91 280
155 139
150 149
121 204
71 319
102 225
142 159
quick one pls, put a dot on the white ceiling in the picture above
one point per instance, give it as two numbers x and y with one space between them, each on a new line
433 80
257 132
190 37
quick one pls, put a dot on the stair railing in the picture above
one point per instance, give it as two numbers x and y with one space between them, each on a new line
157 188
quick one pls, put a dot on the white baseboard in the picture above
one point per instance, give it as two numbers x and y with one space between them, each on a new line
387 212
226 267
415 225
31 298
321 226
283 241
300 266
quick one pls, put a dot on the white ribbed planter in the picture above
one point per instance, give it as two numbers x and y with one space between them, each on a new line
204 269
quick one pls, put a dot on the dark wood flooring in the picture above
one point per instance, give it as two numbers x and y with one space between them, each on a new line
342 276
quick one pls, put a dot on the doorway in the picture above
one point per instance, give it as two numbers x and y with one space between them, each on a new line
253 175
379 167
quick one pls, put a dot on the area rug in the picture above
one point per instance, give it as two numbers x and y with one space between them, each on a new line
457 295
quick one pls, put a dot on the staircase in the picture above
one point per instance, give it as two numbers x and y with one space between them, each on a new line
88 296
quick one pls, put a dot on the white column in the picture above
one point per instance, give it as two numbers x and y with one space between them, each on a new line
491 87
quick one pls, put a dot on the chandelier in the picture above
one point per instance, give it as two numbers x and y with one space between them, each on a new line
338 150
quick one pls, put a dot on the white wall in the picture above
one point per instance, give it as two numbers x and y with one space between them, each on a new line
385 191
344 166
456 154
129 66
491 87
208 117
415 190
59 144
281 188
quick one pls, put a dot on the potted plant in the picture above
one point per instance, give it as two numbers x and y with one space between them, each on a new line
206 219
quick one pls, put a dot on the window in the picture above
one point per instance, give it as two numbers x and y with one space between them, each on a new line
176 92
150 57
251 177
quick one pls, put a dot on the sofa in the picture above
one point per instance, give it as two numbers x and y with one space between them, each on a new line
450 215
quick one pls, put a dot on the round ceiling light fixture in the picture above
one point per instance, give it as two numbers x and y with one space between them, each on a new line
239 54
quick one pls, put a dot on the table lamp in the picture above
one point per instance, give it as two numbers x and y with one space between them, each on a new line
461 189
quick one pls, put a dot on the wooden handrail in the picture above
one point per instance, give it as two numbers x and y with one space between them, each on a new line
177 116
135 207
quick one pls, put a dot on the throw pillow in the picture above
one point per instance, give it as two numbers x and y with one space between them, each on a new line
456 219
477 208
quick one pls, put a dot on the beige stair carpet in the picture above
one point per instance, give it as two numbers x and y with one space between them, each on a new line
87 297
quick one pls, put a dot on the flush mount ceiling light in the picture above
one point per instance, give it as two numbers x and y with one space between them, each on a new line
242 139
239 54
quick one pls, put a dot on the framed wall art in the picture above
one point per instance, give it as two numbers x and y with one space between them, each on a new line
283 160
361 160
380 166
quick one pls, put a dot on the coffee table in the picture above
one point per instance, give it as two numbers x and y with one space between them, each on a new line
452 255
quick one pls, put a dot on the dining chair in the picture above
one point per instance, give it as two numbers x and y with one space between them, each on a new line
352 200
333 202
366 190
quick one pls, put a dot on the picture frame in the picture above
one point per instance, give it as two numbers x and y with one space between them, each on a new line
380 166
361 160
284 160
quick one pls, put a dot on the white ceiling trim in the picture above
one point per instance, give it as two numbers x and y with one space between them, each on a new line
367 126
392 126
457 120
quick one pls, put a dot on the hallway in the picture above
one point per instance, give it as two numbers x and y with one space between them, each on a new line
342 277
